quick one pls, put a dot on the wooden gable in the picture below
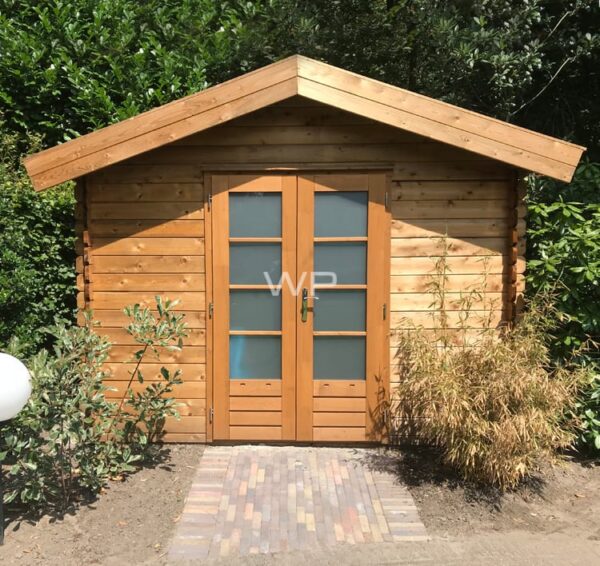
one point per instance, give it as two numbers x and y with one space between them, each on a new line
319 82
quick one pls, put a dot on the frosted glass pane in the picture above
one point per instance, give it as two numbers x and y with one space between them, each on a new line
255 357
339 310
348 260
341 213
339 357
248 262
254 215
254 310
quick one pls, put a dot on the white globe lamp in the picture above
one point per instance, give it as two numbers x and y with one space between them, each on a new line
15 389
15 386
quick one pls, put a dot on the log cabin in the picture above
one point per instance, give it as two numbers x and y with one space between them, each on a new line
295 212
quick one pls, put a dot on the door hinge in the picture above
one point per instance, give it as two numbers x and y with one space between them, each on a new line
211 415
387 200
209 200
211 309
384 311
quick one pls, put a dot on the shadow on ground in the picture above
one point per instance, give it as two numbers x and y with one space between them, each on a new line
423 467
16 513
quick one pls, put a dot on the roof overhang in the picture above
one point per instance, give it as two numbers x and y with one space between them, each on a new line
297 75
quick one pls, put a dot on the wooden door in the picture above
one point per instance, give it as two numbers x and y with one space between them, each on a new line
299 276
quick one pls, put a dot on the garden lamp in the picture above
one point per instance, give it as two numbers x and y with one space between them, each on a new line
15 389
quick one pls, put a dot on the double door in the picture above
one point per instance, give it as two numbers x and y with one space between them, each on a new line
299 278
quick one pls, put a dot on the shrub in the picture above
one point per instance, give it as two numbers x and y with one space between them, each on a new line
37 253
146 410
71 66
70 438
55 443
588 411
492 401
564 257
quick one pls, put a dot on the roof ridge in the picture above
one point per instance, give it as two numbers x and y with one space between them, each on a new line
298 74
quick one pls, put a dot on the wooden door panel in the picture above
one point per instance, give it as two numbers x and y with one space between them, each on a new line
255 418
272 433
252 409
300 407
336 410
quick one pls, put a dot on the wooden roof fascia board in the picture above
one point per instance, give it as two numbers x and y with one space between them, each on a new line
439 111
169 115
156 117
317 81
142 144
433 130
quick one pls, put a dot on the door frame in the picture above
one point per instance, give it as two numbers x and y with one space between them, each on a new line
377 390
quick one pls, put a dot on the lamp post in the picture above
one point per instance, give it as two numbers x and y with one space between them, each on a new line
15 389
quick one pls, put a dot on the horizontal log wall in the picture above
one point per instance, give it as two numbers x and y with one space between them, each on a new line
146 238
145 224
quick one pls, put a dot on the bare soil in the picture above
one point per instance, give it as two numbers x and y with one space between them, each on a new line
133 521
561 498
130 523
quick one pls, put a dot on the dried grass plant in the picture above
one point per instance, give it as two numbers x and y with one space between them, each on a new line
490 398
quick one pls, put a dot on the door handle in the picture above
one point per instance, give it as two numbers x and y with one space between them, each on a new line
304 309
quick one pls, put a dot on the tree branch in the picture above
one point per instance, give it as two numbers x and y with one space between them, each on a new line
544 88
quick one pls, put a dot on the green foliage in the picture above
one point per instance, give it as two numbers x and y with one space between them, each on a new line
564 256
588 412
147 409
55 444
71 66
70 438
494 402
37 252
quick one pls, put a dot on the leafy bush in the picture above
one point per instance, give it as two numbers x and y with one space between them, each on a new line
564 253
564 258
588 412
150 407
492 401
55 443
37 253
72 66
70 438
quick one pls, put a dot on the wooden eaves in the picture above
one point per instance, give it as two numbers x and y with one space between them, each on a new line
317 81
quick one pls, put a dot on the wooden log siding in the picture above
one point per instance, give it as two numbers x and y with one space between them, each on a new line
146 238
145 220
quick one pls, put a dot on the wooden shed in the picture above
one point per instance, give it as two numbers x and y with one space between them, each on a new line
237 199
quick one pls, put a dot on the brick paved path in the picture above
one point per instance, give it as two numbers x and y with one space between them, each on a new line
265 499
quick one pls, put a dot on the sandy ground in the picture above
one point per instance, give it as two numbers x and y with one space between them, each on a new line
554 519
131 523
564 497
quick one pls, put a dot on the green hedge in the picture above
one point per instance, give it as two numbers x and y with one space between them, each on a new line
37 253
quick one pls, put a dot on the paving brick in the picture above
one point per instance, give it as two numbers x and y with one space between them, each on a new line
266 499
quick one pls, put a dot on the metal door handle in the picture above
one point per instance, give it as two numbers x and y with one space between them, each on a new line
304 309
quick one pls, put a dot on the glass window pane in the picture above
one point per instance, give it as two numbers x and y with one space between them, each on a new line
348 260
339 357
249 262
254 310
339 310
341 213
254 215
255 357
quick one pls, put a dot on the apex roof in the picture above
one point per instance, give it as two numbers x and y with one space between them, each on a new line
298 75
